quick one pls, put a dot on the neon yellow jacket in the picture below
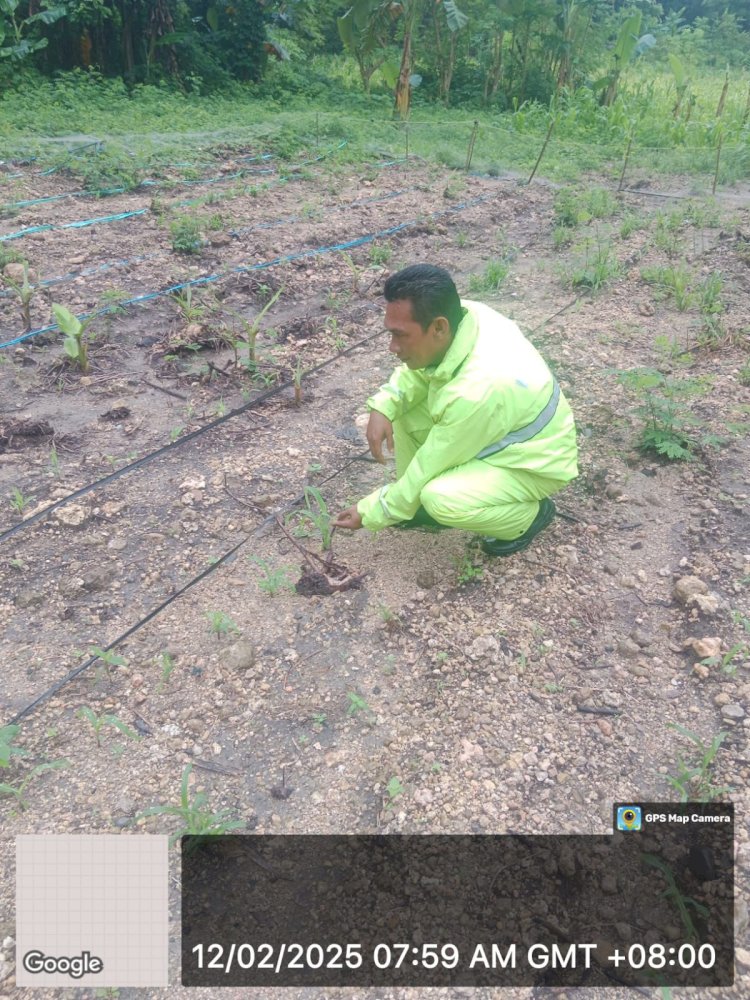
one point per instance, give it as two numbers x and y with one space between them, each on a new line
492 391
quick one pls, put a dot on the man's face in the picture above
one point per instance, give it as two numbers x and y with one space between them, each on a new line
415 346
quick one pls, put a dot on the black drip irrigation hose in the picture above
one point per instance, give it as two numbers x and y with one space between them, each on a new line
214 565
71 675
152 456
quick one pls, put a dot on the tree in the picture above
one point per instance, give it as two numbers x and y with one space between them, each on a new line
18 34
364 33
445 47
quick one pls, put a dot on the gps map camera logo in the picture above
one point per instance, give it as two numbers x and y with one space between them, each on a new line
629 818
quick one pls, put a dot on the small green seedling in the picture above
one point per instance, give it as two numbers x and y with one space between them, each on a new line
186 234
190 311
356 703
694 779
320 719
274 579
316 512
466 570
108 657
75 343
726 660
7 749
380 253
251 329
167 663
18 501
196 819
98 722
18 791
393 789
112 299
221 624
25 292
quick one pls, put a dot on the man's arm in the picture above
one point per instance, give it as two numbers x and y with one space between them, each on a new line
403 390
464 429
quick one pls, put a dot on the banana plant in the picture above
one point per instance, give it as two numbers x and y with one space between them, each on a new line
15 43
629 46
75 344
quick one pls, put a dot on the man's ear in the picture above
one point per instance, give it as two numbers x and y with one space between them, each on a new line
442 329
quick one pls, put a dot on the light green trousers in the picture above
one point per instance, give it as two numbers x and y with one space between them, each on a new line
477 496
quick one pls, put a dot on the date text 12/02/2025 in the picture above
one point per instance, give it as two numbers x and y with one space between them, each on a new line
309 958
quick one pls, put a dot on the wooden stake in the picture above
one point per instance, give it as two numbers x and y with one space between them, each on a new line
718 158
552 124
470 150
625 162
722 99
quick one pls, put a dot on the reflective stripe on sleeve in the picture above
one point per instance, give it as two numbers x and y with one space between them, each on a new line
384 505
530 430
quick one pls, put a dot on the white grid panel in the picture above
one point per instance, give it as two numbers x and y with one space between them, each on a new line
107 895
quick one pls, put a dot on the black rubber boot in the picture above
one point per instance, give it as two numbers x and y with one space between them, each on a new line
500 547
422 520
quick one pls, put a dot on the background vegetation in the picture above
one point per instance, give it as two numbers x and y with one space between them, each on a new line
671 79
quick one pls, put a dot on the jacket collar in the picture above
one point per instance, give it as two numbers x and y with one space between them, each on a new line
461 347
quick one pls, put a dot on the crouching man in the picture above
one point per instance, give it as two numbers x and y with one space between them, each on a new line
482 433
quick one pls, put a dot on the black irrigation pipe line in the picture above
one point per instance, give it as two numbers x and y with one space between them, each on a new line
214 565
72 674
152 456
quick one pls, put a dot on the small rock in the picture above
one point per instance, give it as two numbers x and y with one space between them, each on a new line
71 515
688 588
733 713
707 604
98 578
613 492
641 638
423 797
240 655
722 698
612 698
701 670
628 581
484 646
193 483
609 882
743 957
705 648
426 579
605 727
28 599
628 649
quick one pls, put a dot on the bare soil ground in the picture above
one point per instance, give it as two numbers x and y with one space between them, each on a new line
519 695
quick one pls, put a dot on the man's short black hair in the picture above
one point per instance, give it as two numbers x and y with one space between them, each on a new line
431 292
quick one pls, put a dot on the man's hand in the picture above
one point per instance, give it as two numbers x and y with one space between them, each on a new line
351 519
379 429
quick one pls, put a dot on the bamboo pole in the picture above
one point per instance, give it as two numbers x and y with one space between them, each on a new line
625 162
718 158
552 124
470 150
